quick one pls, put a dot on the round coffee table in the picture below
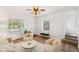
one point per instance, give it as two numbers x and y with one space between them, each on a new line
29 45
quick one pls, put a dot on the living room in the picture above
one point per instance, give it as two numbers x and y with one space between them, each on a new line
44 23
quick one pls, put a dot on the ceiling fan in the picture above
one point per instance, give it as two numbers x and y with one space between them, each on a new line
36 10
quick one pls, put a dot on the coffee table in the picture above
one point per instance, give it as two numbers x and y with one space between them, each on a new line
29 45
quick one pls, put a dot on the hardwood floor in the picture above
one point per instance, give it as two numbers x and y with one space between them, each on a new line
65 47
40 39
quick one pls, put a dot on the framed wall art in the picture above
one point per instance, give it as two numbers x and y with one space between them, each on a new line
46 25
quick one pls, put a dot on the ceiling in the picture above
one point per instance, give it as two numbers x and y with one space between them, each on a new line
22 9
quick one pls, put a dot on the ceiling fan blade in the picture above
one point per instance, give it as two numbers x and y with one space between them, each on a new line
29 9
42 9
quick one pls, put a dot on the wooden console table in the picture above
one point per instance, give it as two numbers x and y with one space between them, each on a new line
72 40
44 35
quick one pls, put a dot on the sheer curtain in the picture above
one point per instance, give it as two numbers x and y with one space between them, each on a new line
3 27
71 24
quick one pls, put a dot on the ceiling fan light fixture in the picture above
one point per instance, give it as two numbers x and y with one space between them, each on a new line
36 10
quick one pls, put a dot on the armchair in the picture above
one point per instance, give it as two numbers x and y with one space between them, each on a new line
28 36
53 45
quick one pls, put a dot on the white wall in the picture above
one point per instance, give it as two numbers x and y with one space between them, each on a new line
6 15
58 24
3 22
78 23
